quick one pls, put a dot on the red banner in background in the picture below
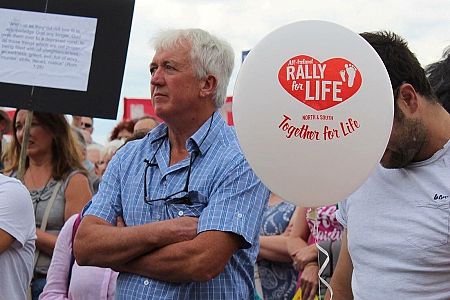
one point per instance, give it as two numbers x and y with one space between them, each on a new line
226 110
10 112
7 112
135 108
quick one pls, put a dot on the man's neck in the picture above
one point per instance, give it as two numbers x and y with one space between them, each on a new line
180 132
438 125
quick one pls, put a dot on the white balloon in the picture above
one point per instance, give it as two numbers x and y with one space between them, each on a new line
313 109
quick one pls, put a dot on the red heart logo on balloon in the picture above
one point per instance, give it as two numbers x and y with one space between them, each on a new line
320 85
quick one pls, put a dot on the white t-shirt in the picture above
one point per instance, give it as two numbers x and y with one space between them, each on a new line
398 231
17 219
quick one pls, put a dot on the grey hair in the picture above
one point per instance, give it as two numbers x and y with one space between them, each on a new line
110 148
80 138
97 147
209 55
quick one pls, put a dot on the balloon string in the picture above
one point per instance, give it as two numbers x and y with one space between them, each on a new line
322 268
327 260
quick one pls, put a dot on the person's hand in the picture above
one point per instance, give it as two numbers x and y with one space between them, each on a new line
304 256
182 229
309 281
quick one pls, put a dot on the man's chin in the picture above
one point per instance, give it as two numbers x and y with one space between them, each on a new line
159 111
392 162
385 164
386 159
388 165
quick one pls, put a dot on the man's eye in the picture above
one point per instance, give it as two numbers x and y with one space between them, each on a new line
169 67
152 71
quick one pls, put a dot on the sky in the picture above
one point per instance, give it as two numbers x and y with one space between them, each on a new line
425 24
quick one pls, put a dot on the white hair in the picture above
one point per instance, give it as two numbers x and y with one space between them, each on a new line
209 55
111 148
97 147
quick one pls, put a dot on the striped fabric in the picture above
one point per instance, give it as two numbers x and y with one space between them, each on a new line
229 197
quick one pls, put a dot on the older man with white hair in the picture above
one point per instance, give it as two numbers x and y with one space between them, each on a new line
191 204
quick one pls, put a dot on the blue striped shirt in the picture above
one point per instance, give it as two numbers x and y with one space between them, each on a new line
229 197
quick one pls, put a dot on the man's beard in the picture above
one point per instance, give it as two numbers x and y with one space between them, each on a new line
411 138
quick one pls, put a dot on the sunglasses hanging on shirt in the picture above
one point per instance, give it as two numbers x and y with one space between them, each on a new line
187 197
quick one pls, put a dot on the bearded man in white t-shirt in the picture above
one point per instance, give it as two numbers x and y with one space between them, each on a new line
396 244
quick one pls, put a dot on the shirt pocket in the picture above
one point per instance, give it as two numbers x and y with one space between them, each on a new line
192 206
428 225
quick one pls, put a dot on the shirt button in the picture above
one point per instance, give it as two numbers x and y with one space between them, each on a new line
180 213
146 282
239 215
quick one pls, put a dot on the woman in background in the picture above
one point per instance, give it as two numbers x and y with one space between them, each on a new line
105 156
67 280
311 226
53 167
122 131
277 275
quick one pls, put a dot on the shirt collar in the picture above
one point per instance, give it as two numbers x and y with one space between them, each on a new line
157 133
203 138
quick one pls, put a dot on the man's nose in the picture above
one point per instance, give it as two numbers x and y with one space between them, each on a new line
157 77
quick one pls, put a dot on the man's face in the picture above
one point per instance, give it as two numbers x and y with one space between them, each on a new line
87 124
407 139
174 87
76 121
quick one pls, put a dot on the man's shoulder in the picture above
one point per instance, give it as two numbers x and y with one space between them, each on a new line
227 138
13 185
372 183
225 149
128 156
133 148
6 179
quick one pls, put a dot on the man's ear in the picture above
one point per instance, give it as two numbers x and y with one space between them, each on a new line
208 86
407 99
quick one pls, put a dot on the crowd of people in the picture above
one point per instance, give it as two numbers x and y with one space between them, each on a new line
63 169
172 210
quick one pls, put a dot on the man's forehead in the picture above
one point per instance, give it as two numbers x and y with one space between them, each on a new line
84 119
176 53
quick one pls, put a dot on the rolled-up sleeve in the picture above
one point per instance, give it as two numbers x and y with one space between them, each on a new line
341 213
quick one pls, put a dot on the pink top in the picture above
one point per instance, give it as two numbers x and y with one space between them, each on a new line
87 283
328 227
